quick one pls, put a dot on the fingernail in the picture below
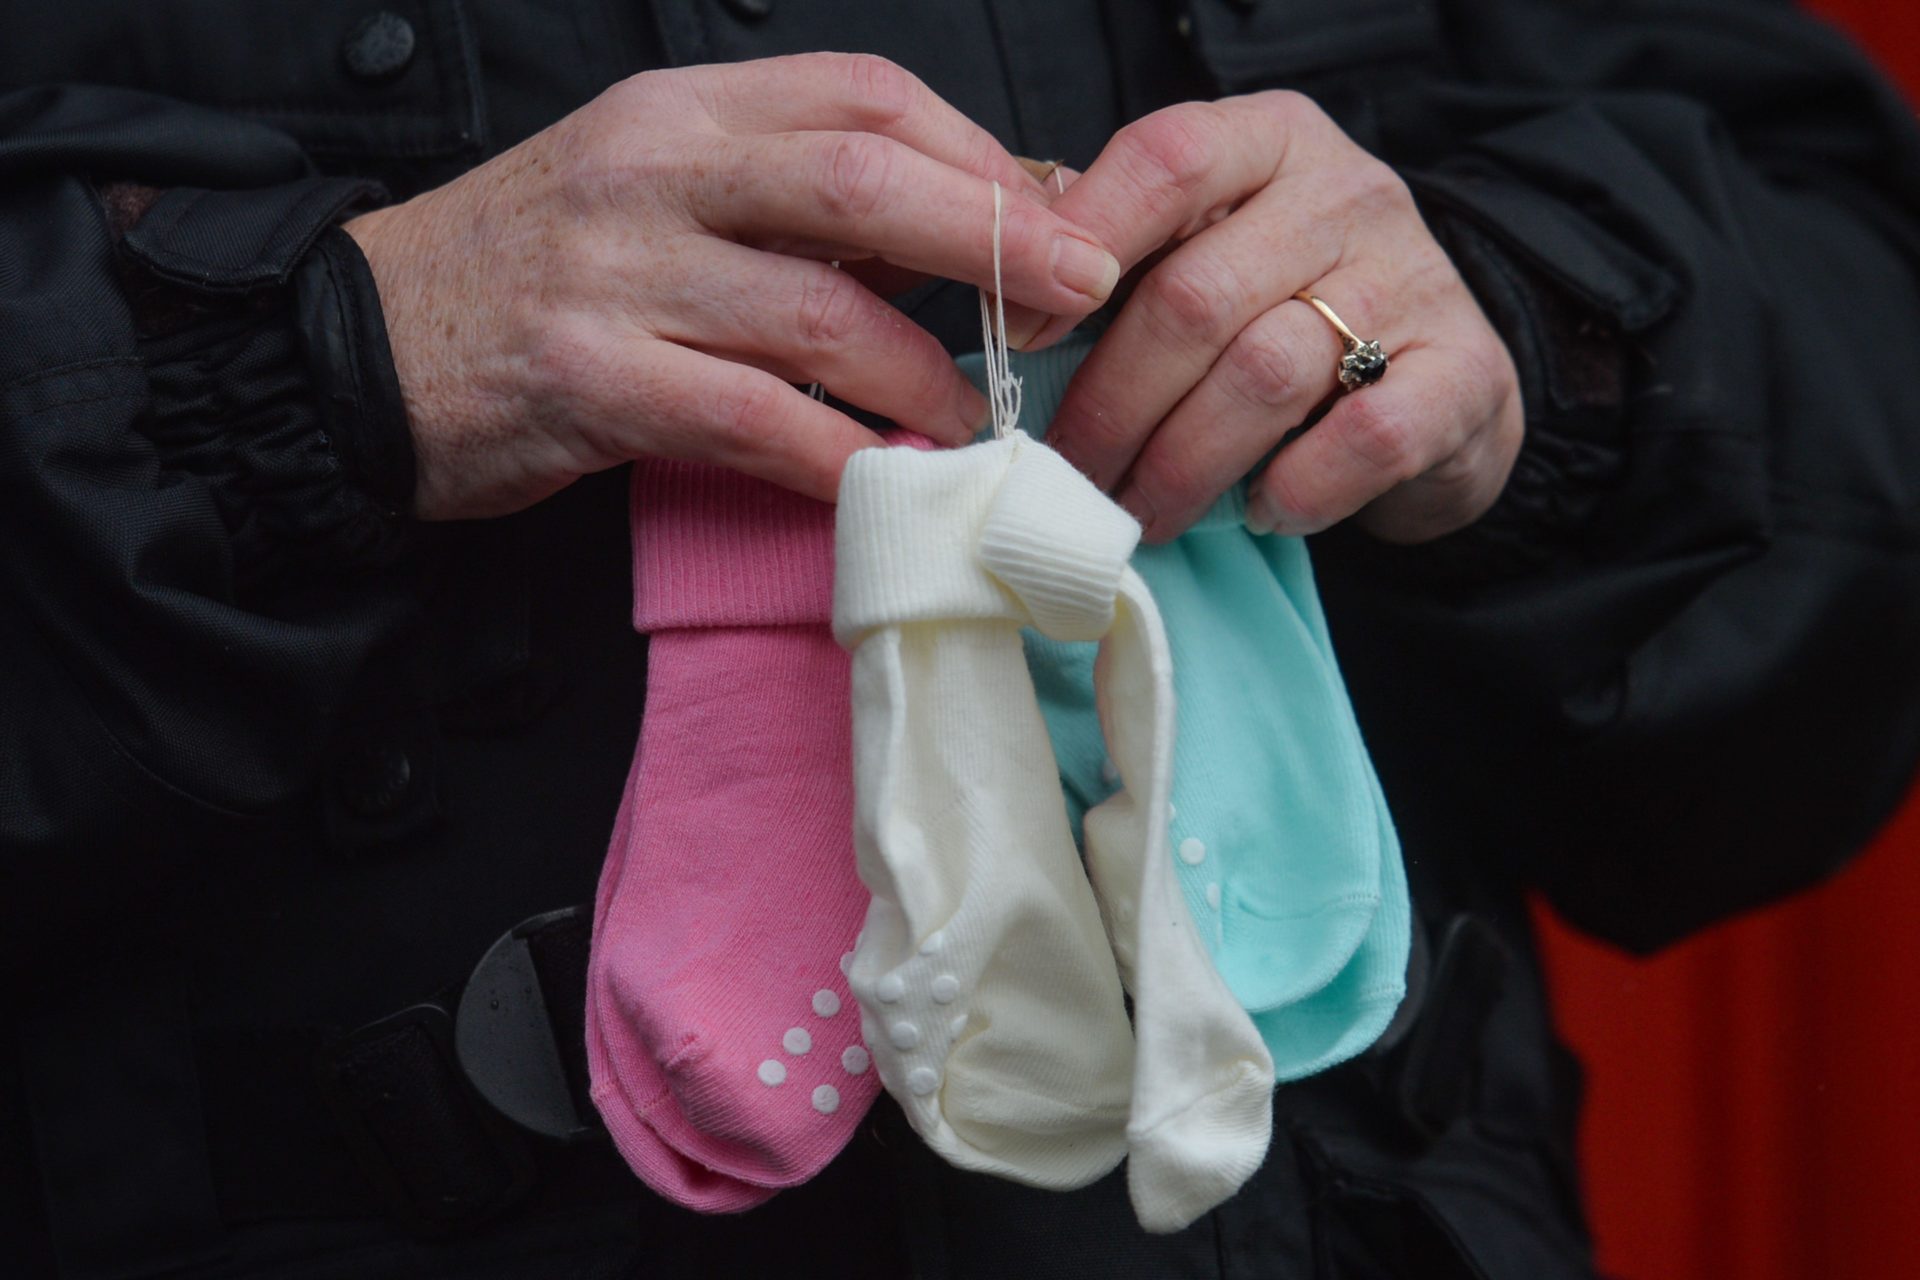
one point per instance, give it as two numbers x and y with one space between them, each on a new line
975 413
1085 268
1024 325
1057 327
1261 516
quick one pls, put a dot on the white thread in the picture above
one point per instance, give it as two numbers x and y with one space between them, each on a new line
816 391
1059 179
1003 389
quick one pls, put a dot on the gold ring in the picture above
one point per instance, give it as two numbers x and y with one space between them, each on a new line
1364 362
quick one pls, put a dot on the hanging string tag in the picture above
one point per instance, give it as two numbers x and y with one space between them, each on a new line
1003 389
818 391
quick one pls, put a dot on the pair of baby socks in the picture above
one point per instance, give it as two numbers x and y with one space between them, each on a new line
1283 845
990 988
723 1044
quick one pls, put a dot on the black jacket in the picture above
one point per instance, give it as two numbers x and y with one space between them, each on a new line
275 761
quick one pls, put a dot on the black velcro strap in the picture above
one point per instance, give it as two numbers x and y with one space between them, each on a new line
1434 1075
560 959
439 1156
304 1125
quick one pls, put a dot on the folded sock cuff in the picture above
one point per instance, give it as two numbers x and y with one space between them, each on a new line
715 548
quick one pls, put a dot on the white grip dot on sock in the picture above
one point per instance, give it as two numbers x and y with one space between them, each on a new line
826 1099
796 1040
825 1003
855 1060
1193 851
1213 895
922 1081
890 987
955 1027
903 1035
945 988
773 1072
935 941
846 961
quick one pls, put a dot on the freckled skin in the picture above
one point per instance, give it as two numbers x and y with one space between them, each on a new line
649 276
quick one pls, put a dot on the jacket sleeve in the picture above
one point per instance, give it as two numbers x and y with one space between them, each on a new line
1675 673
204 469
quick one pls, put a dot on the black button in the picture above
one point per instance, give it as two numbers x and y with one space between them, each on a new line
373 780
380 47
749 10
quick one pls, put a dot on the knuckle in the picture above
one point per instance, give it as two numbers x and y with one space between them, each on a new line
1190 303
1262 370
1170 152
830 312
567 358
1372 188
1386 441
1291 107
857 176
1488 367
880 85
747 416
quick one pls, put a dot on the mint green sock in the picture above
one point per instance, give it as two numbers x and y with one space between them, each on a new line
1284 847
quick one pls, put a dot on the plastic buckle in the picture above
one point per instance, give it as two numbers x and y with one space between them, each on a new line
504 1033
435 1153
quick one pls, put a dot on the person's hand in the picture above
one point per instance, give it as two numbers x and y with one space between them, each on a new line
1212 362
650 274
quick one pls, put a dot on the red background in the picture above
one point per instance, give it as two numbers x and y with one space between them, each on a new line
1754 1093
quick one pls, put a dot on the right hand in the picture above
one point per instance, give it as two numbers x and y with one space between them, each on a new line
650 274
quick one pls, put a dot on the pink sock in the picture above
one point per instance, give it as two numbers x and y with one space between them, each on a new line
723 1043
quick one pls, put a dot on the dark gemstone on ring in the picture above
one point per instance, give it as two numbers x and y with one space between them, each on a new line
1363 366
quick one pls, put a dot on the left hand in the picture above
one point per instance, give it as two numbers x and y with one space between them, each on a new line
1211 362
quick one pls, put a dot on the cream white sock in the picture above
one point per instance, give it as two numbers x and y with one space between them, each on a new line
989 995
940 558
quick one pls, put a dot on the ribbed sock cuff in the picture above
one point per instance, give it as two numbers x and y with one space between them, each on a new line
715 548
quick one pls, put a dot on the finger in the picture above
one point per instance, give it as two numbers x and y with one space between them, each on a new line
1372 441
1168 171
1453 493
863 93
704 409
1268 380
861 189
824 326
1177 323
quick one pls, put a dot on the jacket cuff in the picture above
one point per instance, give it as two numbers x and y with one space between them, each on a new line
270 373
336 309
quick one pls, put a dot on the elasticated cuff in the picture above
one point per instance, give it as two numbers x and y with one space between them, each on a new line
338 316
714 548
270 376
